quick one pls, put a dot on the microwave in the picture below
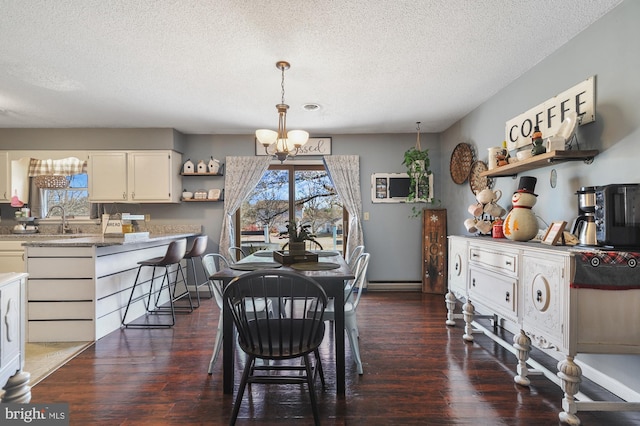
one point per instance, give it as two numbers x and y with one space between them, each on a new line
393 187
617 215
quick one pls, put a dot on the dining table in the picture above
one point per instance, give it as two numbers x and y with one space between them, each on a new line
330 271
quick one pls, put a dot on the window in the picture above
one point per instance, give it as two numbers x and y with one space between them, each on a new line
74 199
287 191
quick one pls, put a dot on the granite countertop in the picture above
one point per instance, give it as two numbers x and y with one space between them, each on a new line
80 240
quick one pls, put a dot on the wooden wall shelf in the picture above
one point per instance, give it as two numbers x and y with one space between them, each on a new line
201 200
201 174
541 160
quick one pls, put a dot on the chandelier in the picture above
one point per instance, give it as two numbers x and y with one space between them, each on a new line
286 143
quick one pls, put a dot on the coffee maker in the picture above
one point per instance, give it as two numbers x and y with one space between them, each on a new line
585 225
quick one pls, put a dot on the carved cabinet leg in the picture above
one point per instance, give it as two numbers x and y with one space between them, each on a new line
467 313
17 389
450 302
522 343
570 373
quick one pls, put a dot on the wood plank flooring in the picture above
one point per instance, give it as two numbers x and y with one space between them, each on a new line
417 371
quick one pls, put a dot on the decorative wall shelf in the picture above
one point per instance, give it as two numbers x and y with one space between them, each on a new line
201 200
541 160
202 174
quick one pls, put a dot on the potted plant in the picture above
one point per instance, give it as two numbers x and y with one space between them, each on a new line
297 235
416 160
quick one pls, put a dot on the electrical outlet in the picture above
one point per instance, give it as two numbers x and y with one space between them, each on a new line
147 217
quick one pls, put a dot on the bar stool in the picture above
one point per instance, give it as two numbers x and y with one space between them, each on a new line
195 252
174 255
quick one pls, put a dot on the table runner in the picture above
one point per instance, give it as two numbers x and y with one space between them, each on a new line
606 270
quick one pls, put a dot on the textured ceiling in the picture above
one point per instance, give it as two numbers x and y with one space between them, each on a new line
373 66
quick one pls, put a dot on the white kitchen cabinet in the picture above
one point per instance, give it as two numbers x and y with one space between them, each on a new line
11 256
135 176
5 177
525 288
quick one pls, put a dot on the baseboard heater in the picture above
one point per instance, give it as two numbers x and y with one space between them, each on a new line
394 286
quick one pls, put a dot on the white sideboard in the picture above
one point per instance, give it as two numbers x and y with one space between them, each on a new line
525 288
13 380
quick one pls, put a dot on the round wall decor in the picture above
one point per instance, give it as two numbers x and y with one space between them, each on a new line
477 182
461 160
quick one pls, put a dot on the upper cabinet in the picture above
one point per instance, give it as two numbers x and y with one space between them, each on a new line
5 177
135 176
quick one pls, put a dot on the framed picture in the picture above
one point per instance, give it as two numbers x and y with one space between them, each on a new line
315 146
554 233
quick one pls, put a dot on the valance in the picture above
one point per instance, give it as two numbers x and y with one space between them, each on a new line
63 167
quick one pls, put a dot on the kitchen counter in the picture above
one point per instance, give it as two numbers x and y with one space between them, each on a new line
83 240
78 288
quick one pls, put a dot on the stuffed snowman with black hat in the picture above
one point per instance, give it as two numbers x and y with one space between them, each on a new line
521 223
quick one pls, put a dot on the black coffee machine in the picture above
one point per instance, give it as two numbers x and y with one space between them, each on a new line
585 225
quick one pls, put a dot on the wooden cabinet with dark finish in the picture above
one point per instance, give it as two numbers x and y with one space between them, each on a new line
434 251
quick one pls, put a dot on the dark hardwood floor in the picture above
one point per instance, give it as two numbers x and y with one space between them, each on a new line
417 371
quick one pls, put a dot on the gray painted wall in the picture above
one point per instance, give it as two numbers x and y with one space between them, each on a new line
389 230
609 50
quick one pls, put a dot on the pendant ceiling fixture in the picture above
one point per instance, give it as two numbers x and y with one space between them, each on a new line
284 144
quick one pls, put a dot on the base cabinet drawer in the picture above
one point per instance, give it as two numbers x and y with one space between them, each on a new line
61 310
42 290
62 331
495 291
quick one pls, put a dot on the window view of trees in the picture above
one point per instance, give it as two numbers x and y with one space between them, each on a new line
74 199
309 197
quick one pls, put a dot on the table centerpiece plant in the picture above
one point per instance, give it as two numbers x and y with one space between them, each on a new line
297 235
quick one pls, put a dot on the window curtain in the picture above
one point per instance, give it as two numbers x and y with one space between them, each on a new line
242 174
344 172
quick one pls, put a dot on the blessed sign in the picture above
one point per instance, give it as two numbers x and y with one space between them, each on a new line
550 114
315 146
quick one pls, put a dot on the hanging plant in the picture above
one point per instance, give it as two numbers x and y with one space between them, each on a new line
417 162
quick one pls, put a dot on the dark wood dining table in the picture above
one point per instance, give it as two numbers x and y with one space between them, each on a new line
331 280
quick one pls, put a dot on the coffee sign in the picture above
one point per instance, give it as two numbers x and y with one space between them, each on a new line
315 146
550 114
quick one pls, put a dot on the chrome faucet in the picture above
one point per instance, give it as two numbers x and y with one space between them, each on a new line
65 225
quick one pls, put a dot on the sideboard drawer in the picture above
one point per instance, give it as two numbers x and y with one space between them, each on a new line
502 261
496 291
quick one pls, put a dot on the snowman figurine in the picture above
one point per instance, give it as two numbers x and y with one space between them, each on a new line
521 223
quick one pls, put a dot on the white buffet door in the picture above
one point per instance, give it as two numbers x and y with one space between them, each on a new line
107 173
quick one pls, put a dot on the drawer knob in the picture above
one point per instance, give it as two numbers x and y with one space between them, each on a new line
457 266
539 296
508 263
507 297
473 282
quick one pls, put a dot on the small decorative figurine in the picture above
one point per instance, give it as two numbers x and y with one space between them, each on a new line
536 139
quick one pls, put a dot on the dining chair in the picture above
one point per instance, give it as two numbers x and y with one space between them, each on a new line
212 263
352 293
236 254
293 336
353 256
